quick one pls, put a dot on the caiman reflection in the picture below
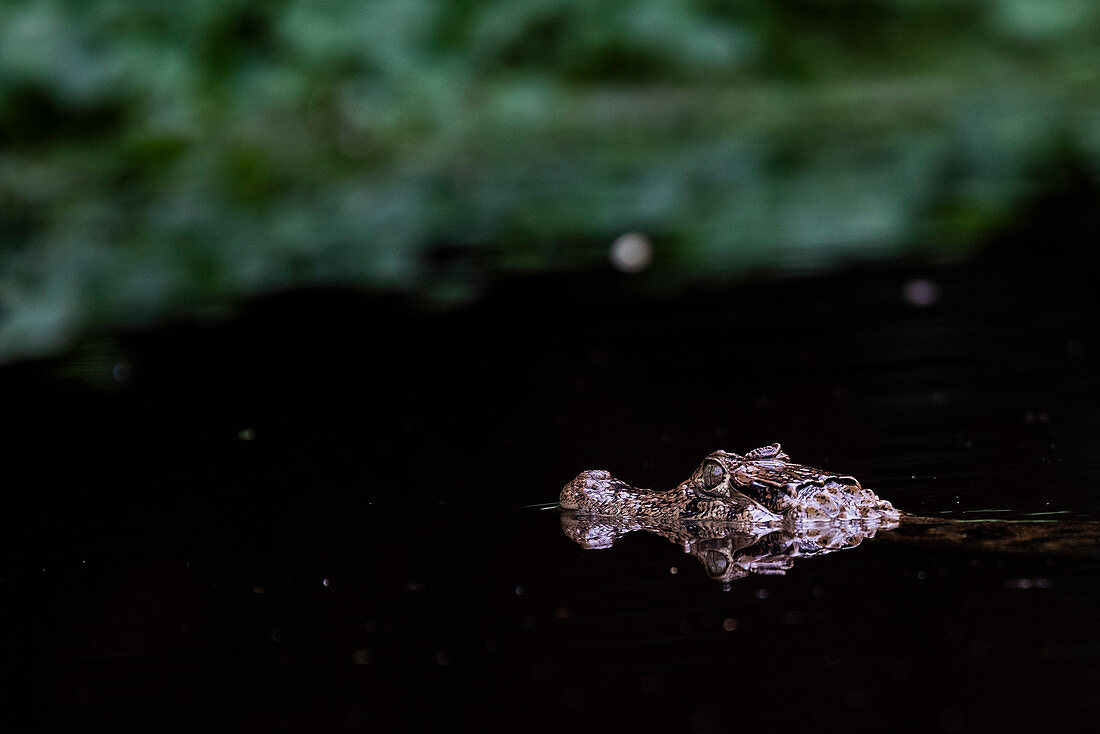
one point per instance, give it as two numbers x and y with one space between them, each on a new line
727 551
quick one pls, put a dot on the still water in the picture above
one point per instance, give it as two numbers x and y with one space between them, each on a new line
336 513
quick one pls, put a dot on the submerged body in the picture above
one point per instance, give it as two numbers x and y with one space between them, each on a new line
762 486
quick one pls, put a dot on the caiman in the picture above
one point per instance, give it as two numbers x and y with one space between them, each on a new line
758 512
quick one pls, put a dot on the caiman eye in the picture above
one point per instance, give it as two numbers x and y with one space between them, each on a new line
712 475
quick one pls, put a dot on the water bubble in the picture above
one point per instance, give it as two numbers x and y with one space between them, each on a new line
326 583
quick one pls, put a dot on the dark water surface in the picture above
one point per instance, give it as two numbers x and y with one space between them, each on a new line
328 514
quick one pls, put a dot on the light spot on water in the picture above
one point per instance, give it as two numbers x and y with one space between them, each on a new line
631 252
247 434
121 371
921 292
729 624
326 583
673 570
520 591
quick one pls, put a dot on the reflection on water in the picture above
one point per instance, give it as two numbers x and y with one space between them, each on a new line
733 551
728 552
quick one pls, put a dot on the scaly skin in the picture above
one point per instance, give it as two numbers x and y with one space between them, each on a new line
762 486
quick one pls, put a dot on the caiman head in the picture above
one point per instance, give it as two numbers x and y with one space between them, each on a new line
760 486
767 478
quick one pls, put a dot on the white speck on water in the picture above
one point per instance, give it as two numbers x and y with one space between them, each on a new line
326 583
631 252
121 371
673 570
520 591
922 575
921 292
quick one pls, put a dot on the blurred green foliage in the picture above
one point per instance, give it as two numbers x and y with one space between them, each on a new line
163 157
